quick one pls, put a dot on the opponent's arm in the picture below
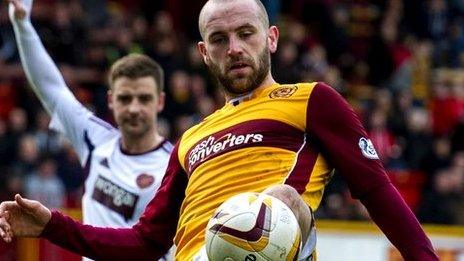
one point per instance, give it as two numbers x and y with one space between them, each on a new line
42 74
68 116
344 142
149 239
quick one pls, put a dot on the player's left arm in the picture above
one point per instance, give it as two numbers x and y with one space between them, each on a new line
336 128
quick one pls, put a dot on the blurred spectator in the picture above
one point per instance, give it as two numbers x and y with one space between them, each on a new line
447 104
314 64
124 45
70 172
13 186
421 70
66 34
382 138
438 158
438 202
165 44
418 140
27 156
437 17
44 185
17 127
456 44
444 204
286 67
179 95
48 140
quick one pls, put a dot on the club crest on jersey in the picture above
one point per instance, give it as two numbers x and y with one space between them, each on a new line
144 180
284 91
367 148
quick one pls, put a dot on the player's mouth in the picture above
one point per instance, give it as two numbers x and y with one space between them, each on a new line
133 122
239 67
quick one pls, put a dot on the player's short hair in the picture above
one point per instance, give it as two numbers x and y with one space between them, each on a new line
134 66
263 16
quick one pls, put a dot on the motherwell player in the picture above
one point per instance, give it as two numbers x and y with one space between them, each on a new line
124 166
281 139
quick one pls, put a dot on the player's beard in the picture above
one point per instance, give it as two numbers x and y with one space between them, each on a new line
242 85
135 132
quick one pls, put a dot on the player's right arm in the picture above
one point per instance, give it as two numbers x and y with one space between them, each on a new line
43 75
149 239
68 115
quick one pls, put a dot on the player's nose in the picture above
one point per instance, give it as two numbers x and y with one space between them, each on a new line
134 106
235 47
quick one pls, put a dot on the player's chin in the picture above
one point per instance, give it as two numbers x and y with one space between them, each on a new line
240 86
133 129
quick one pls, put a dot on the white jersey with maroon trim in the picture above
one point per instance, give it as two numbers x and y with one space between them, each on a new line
118 185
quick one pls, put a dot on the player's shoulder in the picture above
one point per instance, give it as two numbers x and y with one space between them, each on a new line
291 91
165 147
313 90
108 142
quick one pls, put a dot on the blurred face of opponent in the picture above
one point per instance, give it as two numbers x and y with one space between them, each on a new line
237 43
135 104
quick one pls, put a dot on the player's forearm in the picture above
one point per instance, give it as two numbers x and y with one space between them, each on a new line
396 220
42 73
99 243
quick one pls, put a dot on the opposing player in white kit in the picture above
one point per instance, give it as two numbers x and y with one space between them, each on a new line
126 165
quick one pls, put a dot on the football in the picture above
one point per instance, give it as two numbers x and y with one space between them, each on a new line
252 226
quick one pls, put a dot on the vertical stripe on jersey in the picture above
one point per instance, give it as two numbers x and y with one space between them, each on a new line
90 147
301 171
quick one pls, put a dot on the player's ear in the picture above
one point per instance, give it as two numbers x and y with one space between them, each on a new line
204 53
161 102
273 38
109 98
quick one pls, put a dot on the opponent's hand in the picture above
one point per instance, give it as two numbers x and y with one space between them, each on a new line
19 9
22 218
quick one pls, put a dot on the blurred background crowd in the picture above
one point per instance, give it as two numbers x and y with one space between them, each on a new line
400 64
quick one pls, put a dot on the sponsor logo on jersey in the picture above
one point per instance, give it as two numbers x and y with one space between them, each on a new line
213 146
144 180
367 148
114 197
285 91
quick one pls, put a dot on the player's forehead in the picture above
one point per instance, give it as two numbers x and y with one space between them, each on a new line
129 86
229 16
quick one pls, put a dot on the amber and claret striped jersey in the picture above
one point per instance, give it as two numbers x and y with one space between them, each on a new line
283 134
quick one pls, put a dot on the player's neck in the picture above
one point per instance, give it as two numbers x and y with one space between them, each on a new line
268 81
140 145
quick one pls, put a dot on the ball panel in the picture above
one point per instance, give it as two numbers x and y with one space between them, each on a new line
252 226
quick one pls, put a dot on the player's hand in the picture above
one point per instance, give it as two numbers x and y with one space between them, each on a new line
22 218
19 9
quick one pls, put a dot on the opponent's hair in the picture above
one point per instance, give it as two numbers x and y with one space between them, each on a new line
263 16
135 66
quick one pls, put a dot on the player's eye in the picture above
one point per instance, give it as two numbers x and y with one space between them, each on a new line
245 34
145 98
218 39
124 99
